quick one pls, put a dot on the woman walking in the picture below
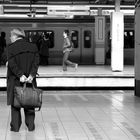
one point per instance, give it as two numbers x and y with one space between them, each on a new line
67 49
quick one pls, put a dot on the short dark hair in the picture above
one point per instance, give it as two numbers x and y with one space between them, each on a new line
67 32
3 34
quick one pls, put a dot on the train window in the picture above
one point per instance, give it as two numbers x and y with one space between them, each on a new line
87 39
36 35
128 39
74 38
131 33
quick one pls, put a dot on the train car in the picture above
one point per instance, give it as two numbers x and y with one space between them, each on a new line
82 36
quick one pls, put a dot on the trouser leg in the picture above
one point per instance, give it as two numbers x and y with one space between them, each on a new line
66 61
41 63
15 119
29 118
65 57
45 60
70 63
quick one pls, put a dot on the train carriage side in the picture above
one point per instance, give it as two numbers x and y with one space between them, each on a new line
82 35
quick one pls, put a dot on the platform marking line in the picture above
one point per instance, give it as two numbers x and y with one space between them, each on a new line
93 131
58 98
131 130
83 98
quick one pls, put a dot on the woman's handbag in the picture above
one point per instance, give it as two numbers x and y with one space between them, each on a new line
27 97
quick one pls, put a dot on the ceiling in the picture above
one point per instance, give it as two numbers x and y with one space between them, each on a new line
68 8
123 2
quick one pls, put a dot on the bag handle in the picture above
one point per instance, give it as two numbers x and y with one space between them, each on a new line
24 86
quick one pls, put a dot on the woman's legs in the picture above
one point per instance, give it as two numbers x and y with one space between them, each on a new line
66 61
65 57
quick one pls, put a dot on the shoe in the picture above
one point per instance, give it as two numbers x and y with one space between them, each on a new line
64 69
76 66
31 128
11 129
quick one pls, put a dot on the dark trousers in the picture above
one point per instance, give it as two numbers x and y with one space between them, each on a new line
43 60
66 62
16 118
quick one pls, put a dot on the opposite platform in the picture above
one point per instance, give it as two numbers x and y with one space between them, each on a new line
84 76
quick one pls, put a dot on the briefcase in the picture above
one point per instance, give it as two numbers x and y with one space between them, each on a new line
27 97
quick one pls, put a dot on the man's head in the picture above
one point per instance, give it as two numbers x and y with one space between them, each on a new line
3 34
16 34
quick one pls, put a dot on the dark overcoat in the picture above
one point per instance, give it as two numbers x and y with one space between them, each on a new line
23 59
44 47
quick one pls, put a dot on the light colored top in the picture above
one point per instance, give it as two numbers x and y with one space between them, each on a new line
66 45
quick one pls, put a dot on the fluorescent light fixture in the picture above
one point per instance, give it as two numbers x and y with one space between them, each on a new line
36 16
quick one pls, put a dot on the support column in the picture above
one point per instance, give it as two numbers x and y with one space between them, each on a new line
117 5
1 10
117 36
137 52
100 38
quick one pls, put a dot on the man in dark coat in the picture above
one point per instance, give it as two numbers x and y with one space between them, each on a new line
23 63
2 47
44 49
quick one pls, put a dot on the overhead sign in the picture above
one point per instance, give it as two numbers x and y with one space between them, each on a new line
68 10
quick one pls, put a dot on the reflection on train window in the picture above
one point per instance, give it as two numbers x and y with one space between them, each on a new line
87 39
129 39
35 36
74 38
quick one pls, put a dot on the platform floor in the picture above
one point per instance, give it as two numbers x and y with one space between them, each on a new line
83 70
79 115
84 76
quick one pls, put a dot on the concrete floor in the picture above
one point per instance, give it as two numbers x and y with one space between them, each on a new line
79 115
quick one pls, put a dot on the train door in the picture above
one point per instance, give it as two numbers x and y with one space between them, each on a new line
83 41
75 37
129 47
87 45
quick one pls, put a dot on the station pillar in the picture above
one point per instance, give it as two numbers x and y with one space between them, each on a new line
137 51
100 38
1 10
117 38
